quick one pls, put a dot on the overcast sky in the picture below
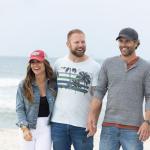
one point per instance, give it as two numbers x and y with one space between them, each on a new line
26 25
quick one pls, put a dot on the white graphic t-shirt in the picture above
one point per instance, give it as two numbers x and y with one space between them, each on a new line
75 81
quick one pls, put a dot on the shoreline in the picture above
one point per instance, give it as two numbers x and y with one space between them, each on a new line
9 138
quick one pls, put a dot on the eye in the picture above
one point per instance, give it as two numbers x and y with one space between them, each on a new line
76 42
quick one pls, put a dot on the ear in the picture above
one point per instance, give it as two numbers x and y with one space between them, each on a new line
67 43
137 44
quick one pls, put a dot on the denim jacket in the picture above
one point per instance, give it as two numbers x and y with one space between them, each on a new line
27 112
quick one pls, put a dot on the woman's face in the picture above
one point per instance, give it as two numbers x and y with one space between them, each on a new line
37 67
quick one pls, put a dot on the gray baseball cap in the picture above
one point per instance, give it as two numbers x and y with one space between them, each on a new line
128 33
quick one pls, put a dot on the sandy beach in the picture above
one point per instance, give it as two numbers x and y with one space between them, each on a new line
9 140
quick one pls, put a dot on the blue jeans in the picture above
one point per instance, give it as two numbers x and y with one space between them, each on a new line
64 135
113 138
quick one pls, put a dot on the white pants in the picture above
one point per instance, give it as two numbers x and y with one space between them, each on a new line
41 136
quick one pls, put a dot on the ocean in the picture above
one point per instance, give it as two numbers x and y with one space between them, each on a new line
12 71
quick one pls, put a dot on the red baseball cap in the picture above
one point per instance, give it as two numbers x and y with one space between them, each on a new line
39 55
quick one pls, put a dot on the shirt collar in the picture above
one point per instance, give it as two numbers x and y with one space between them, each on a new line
132 62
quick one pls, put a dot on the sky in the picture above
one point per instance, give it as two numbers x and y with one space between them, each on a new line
26 25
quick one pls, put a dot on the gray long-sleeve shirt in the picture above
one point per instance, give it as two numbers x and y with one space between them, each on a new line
126 88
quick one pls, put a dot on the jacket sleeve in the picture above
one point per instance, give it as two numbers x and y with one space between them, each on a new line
20 107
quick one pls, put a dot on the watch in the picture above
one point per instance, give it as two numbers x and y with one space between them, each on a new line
147 121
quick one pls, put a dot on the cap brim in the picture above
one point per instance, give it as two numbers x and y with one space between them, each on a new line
124 36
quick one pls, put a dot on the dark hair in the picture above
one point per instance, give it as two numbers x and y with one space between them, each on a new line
30 77
138 43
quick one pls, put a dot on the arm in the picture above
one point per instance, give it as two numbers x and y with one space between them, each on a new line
96 103
144 130
20 107
95 109
21 114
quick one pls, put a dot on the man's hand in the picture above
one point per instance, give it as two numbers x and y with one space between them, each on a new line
93 116
144 132
91 125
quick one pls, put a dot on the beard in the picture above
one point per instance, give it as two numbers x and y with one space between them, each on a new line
127 52
78 52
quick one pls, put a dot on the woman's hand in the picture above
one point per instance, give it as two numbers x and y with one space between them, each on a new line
27 134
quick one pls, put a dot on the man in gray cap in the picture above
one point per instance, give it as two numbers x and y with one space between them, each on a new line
126 78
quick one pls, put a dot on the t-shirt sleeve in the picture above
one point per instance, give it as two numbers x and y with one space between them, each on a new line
95 75
101 87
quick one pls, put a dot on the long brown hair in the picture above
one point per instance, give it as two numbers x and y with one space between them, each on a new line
30 77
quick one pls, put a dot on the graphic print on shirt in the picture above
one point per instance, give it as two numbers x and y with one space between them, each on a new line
74 79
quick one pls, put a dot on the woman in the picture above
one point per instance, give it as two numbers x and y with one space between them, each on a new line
34 103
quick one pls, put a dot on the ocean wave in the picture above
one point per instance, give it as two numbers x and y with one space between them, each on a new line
9 82
7 106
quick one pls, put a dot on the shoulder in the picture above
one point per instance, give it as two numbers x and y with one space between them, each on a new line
21 83
144 62
60 60
20 86
144 66
94 62
109 61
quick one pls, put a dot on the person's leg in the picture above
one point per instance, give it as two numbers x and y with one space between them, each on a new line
79 139
43 134
28 145
130 140
60 136
109 139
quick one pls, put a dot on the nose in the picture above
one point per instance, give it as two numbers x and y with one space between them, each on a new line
81 44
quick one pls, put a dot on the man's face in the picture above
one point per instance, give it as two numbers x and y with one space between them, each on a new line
76 44
127 47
